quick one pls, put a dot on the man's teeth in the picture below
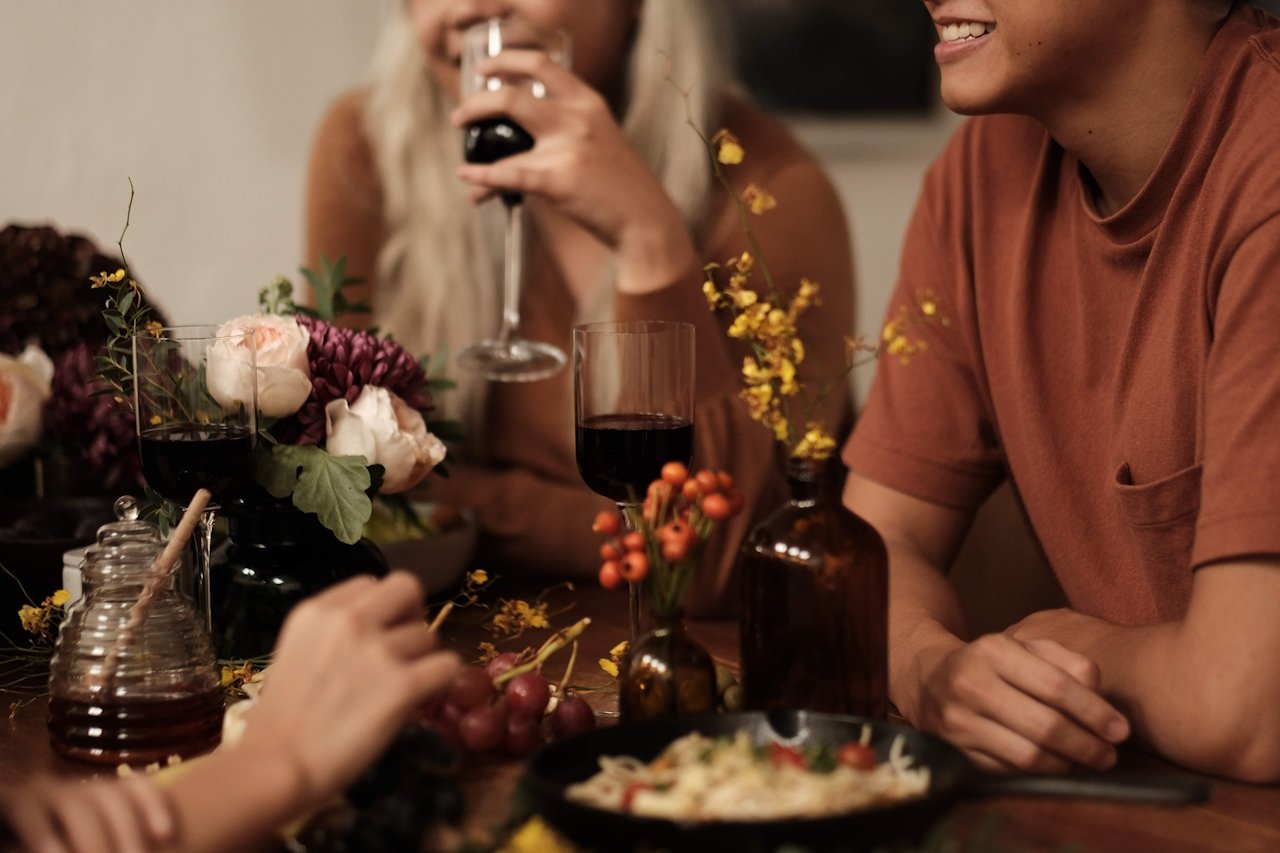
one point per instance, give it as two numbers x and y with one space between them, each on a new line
966 30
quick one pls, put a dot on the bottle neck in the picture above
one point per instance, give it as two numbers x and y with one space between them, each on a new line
812 480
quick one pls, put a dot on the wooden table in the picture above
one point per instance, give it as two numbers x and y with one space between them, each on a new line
1237 817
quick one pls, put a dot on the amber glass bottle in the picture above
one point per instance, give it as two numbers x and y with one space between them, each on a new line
815 603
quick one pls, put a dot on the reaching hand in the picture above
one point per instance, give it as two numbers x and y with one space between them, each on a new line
351 667
1015 706
49 815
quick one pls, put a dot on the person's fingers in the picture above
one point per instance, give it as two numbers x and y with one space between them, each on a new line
1076 665
33 824
152 806
432 674
1059 690
83 823
411 640
394 599
995 747
343 593
120 821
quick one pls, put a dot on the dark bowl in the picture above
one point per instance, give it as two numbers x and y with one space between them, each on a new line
576 759
34 534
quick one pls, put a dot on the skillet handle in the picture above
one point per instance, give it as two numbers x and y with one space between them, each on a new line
1120 787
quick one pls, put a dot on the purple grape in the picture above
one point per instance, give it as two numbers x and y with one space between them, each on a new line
527 695
572 716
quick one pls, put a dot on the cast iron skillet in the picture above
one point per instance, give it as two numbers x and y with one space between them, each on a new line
575 759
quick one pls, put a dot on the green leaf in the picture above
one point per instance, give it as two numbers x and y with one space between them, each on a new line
334 488
277 470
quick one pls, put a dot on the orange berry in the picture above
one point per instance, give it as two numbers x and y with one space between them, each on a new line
736 502
716 507
660 491
708 481
634 566
610 551
676 528
725 479
633 541
607 522
675 550
610 574
690 490
675 473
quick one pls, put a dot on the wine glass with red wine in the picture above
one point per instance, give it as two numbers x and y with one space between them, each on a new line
192 436
633 410
508 357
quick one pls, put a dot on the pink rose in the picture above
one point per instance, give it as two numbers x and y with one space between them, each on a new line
386 431
24 386
284 377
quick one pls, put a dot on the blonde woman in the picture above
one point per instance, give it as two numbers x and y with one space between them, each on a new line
622 214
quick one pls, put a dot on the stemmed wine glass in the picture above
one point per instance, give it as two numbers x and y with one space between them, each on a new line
633 411
508 357
192 436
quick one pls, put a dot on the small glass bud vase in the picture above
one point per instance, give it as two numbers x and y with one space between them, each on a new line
133 679
815 603
667 673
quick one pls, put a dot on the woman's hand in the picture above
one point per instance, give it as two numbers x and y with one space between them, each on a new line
583 166
351 667
1021 706
49 815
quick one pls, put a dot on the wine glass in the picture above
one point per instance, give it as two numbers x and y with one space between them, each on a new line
192 433
633 411
508 357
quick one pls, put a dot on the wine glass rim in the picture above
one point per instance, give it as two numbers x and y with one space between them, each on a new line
503 22
632 327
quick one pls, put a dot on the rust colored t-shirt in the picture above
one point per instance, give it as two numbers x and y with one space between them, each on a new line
1123 371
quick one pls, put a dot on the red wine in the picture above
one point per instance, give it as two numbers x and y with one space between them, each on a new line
136 731
492 139
620 455
178 459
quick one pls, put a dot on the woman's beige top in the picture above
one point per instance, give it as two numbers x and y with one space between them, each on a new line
532 505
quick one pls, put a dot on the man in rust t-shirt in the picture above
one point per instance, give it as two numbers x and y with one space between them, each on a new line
1106 244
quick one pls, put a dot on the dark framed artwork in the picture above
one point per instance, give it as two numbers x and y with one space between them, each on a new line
835 56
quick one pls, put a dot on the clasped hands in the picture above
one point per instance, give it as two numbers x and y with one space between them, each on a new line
1020 701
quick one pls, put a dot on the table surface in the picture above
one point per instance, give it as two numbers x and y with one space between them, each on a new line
1237 816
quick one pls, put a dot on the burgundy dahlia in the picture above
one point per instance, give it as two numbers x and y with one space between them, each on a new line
94 431
342 362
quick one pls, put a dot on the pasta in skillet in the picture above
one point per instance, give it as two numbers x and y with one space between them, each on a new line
697 778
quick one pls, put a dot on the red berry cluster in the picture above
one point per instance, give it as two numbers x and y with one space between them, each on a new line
679 512
484 713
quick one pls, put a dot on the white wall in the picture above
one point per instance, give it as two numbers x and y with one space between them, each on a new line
210 107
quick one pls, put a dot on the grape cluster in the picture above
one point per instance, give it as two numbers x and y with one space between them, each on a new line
390 806
487 711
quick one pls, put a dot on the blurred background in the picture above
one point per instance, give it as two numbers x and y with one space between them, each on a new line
210 108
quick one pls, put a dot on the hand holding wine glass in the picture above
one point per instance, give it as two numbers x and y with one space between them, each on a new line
192 435
633 409
508 357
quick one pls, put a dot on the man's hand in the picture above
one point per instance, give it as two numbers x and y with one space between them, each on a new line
1015 706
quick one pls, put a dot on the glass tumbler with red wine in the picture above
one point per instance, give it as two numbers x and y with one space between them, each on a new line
508 357
194 433
633 410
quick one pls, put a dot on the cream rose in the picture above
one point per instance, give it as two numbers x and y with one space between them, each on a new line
24 386
386 431
284 376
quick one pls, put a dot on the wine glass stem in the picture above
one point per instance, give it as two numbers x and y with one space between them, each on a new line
634 598
204 543
511 271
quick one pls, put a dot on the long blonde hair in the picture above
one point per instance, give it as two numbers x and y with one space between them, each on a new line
438 270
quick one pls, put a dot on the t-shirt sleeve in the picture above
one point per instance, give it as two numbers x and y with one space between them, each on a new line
1240 482
925 429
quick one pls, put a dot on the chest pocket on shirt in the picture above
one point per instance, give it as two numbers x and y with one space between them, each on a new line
1162 520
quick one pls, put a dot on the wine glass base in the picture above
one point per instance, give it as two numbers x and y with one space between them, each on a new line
513 361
